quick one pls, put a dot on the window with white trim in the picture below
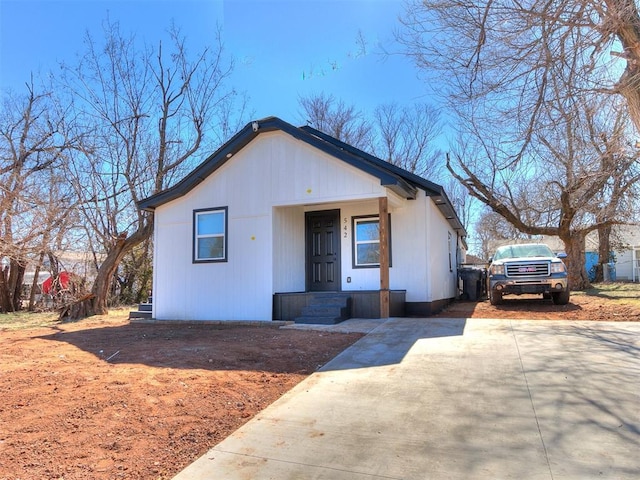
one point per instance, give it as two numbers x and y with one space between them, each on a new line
210 235
366 241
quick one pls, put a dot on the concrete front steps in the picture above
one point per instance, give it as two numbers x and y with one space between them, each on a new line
326 309
144 311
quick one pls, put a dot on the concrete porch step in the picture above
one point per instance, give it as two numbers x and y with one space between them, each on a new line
317 320
144 311
145 307
326 309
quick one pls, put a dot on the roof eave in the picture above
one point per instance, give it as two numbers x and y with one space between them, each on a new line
403 183
400 188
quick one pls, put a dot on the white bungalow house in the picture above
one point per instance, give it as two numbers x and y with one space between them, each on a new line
288 223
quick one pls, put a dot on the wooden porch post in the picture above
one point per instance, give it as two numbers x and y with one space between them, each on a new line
383 209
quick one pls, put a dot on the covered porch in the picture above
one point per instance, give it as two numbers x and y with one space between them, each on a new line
324 268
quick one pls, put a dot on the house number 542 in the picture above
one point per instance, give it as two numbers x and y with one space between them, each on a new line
344 234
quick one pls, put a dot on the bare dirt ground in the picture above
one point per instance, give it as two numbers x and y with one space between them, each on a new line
105 399
602 306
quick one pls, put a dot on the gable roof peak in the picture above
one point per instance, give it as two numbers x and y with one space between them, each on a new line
400 181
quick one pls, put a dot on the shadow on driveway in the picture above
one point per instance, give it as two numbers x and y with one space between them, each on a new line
389 346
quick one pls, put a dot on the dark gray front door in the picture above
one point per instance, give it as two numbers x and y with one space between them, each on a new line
323 251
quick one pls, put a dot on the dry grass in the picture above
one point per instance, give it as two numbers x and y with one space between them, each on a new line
616 293
24 320
619 293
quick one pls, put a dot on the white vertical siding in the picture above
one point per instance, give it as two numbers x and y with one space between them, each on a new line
170 271
265 239
211 291
361 278
267 187
288 249
624 265
420 245
410 229
443 275
408 249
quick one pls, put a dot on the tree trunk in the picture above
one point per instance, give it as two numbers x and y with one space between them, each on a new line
34 284
574 244
604 251
16 277
103 280
11 278
6 305
624 16
122 246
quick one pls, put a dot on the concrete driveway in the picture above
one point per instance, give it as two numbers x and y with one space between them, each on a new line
453 399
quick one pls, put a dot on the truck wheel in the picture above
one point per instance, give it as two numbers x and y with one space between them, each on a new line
495 297
561 298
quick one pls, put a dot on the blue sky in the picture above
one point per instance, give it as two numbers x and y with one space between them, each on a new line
282 49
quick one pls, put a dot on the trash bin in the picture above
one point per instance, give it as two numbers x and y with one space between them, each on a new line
471 282
606 278
609 272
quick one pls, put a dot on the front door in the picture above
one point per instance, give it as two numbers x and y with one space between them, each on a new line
323 251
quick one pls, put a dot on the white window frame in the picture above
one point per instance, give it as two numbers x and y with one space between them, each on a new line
197 236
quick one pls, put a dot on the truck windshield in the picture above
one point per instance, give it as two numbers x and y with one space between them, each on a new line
511 251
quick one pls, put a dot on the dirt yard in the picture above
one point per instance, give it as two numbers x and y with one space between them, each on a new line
620 305
105 399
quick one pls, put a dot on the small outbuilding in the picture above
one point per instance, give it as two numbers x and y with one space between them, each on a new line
288 223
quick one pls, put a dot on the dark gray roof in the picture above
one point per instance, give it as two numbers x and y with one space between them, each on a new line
400 181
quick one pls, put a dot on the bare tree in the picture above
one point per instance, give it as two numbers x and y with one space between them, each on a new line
135 274
492 230
406 137
618 197
492 48
145 113
33 203
534 86
335 118
575 183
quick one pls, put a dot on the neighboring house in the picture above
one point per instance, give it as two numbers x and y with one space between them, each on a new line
627 254
625 265
80 264
280 214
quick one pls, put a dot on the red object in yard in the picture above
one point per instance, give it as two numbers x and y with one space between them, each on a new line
63 280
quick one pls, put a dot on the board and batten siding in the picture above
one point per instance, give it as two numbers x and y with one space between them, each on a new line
265 239
288 249
408 252
420 240
441 241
